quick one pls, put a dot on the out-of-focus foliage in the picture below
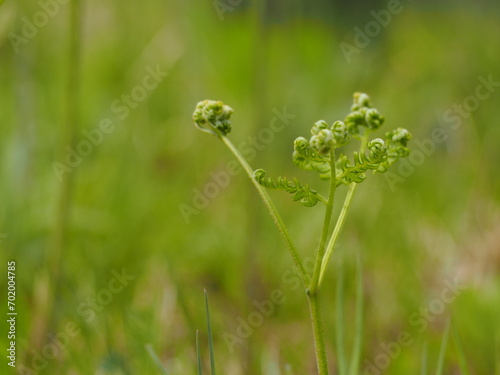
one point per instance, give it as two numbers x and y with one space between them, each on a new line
152 197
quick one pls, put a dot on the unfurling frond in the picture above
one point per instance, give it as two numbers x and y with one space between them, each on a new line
355 172
212 117
305 157
322 149
304 194
397 140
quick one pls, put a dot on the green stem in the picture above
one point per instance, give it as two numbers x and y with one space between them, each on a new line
313 291
337 230
319 334
272 210
342 217
313 288
364 141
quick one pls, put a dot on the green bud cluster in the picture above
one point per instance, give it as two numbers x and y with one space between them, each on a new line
363 115
316 153
397 141
213 117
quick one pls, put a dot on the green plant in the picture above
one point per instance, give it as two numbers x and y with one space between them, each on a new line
199 366
323 154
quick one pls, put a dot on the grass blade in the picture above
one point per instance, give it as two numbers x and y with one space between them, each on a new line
156 360
210 337
198 355
497 350
358 333
423 364
341 360
442 351
462 362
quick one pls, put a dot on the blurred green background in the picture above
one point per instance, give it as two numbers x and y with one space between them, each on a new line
120 208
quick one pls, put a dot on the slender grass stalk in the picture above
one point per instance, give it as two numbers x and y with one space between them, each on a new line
462 362
442 351
339 331
278 221
156 360
210 337
198 354
358 333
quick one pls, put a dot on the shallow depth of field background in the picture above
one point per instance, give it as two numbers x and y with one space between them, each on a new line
441 221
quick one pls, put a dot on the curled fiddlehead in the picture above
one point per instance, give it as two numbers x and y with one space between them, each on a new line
362 114
340 133
304 194
315 153
213 117
306 157
397 141
360 100
355 172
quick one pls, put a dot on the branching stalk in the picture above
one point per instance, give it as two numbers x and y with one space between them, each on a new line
278 221
313 291
336 231
342 217
313 288
318 154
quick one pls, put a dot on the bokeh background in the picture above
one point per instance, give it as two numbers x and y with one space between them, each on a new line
120 209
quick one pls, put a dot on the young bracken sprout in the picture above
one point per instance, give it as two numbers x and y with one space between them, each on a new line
323 154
